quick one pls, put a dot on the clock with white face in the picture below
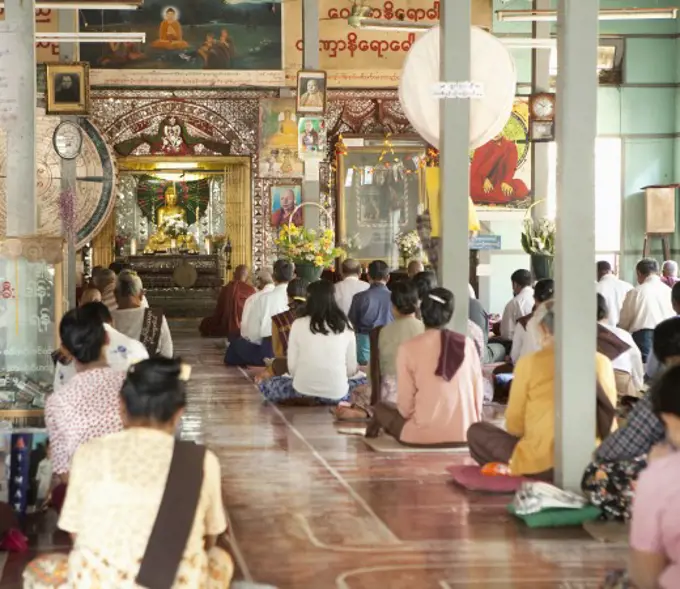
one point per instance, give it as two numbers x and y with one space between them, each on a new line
543 107
68 140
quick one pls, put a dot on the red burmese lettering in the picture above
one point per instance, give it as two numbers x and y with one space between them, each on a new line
389 10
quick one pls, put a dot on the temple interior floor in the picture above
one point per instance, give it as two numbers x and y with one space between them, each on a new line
312 508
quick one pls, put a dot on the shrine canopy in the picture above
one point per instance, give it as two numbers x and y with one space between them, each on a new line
193 196
492 69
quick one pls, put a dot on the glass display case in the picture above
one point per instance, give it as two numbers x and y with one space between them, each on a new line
380 190
31 306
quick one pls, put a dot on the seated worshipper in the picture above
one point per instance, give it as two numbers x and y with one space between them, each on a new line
105 281
520 305
654 367
282 323
647 305
119 268
425 282
528 444
526 338
350 284
669 273
371 308
385 342
121 351
654 556
226 320
88 406
322 363
116 508
90 295
618 345
609 481
613 289
440 388
415 267
148 326
255 343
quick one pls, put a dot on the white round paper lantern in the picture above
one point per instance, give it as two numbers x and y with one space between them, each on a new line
491 66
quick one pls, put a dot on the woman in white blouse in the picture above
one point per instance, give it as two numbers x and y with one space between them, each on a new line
322 361
527 336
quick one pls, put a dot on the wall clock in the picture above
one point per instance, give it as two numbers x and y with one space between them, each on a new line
542 116
68 140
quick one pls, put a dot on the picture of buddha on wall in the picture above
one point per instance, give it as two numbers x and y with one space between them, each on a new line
211 34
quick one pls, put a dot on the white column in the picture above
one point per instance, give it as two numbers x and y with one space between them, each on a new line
310 35
17 39
454 158
540 82
575 251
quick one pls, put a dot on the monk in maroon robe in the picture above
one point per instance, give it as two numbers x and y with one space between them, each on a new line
492 173
226 321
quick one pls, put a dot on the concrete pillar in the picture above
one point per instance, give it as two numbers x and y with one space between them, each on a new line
454 158
310 58
68 23
575 252
540 82
17 40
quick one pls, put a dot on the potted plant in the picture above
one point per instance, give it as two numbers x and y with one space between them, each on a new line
409 246
310 251
538 240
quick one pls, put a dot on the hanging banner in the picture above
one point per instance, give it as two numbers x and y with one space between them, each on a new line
345 48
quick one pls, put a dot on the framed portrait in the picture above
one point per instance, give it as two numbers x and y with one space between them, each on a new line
285 198
278 146
380 191
311 92
68 88
312 137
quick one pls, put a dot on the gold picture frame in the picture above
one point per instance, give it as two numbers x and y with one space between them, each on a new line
68 88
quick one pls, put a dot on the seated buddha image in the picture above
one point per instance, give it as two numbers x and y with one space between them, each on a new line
286 135
166 216
170 33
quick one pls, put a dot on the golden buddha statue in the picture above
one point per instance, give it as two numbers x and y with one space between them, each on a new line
161 240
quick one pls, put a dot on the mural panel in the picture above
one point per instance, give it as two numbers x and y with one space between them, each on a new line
189 35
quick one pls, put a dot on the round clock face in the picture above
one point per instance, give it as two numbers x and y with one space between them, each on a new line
543 107
68 140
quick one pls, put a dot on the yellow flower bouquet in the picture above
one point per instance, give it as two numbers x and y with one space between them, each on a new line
306 246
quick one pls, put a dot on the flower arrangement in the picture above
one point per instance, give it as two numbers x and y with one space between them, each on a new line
409 245
305 246
174 227
538 237
218 240
120 241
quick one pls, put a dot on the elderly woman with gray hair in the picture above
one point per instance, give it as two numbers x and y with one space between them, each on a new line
147 325
527 443
669 273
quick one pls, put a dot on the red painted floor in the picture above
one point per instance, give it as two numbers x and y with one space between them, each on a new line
312 508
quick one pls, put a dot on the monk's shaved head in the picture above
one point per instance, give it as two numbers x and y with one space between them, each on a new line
241 272
351 267
415 267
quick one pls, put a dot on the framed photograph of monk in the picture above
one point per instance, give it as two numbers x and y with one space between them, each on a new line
285 198
311 92
500 170
68 88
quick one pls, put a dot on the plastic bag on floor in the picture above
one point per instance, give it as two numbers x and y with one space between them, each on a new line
535 497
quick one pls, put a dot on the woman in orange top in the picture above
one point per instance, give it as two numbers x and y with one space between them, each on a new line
528 445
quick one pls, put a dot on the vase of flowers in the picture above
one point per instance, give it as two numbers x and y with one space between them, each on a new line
538 240
120 241
309 250
409 246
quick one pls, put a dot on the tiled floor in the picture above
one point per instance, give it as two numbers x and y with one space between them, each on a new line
312 508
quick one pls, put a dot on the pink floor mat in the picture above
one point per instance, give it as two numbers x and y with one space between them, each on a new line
471 478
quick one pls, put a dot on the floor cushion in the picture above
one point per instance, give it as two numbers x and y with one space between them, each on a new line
471 478
558 518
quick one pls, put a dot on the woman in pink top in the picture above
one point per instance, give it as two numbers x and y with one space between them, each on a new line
440 388
655 532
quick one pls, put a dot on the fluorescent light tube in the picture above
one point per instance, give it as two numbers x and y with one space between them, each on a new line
84 5
376 24
90 37
605 14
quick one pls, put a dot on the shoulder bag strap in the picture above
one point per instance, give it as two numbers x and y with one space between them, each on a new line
175 517
151 330
374 366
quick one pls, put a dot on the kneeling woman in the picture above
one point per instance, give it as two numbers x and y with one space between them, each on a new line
528 444
440 388
122 506
322 363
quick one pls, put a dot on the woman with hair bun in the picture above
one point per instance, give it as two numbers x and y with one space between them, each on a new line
122 508
440 388
527 336
87 406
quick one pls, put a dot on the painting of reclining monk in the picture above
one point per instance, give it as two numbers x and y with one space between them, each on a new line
185 34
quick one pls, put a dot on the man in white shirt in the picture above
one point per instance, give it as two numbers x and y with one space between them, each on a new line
255 343
121 351
264 283
350 284
647 305
613 289
520 305
627 365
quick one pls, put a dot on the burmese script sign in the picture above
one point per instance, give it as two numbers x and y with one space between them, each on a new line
342 47
46 21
